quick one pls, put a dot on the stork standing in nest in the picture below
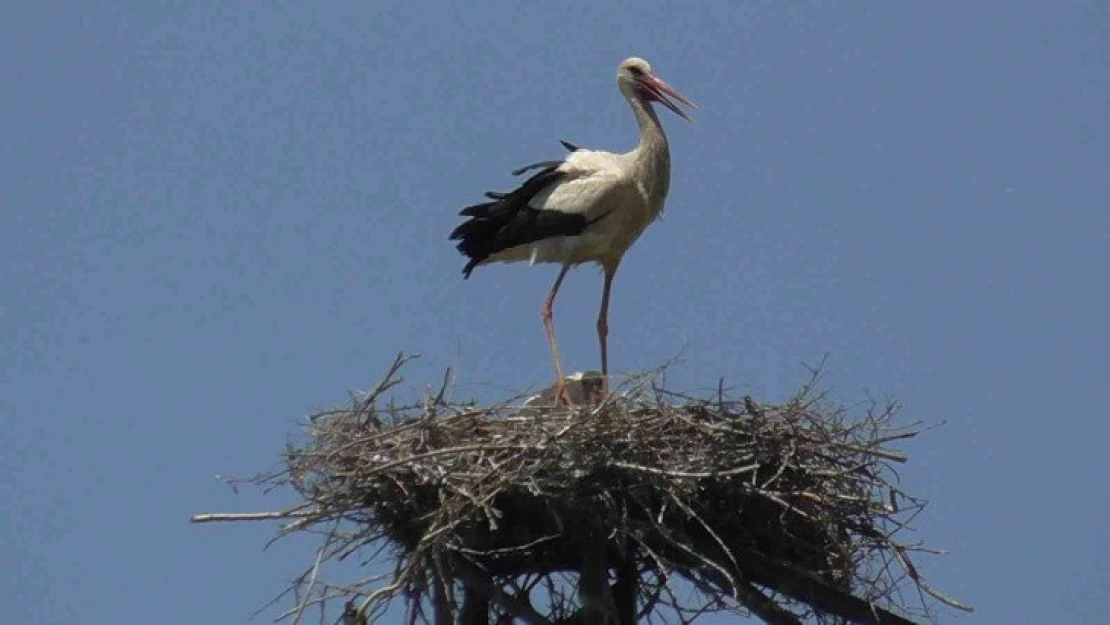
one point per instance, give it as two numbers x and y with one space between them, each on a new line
589 207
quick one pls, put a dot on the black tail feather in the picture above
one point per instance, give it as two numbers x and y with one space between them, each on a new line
477 210
508 221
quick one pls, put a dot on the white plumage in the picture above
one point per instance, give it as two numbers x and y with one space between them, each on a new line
596 185
589 207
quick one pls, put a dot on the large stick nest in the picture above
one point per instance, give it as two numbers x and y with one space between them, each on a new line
786 511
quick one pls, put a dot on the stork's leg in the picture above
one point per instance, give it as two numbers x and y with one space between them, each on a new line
546 314
610 269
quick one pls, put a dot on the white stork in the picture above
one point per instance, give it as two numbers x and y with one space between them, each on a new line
589 207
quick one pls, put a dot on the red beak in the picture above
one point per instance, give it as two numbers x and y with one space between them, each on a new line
659 90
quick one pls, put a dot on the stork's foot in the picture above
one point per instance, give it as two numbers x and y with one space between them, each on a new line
562 395
595 397
596 390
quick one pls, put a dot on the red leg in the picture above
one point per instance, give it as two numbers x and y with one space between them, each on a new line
547 314
603 324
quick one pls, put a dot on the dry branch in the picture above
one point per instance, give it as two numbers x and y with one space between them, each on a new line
782 511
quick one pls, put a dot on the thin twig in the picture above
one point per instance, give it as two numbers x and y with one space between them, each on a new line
212 517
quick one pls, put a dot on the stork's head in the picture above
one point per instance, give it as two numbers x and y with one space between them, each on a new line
635 80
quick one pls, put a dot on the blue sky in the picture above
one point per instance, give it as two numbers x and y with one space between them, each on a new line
219 216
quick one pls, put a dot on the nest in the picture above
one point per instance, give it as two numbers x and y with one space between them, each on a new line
784 511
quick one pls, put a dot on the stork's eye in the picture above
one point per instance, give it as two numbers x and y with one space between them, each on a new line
636 71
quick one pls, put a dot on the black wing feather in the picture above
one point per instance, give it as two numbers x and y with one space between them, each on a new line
541 164
516 172
508 221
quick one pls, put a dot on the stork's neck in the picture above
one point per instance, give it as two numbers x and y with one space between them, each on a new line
652 157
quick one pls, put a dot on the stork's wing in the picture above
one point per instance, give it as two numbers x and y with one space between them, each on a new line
591 189
562 199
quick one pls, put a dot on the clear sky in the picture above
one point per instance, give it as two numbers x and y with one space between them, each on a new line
218 216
